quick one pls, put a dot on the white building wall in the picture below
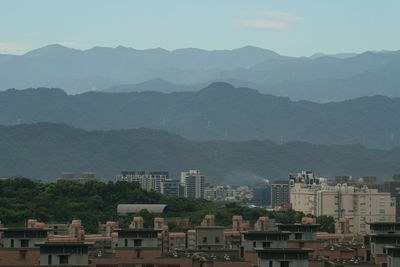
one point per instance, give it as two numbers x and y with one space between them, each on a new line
360 206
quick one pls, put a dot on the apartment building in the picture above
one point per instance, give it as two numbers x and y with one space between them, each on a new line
171 187
360 205
148 181
262 195
193 184
279 194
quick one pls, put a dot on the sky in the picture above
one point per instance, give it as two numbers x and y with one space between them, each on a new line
289 27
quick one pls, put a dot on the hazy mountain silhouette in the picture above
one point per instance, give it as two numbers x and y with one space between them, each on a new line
45 150
158 85
219 111
319 78
338 55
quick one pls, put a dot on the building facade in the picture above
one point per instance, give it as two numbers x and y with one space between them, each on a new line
171 187
262 195
360 205
193 184
279 194
148 181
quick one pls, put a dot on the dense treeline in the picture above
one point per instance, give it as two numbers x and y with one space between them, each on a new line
96 202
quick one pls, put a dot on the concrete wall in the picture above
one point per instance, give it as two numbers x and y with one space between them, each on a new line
393 261
15 257
249 244
17 242
145 242
73 259
214 238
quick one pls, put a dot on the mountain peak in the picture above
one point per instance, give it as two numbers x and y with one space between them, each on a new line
218 86
51 50
255 49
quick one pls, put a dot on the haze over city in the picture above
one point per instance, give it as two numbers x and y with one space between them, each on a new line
199 133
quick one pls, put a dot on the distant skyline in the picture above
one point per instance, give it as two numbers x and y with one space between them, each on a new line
293 28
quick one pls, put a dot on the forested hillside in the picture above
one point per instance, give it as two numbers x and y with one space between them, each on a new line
217 112
44 150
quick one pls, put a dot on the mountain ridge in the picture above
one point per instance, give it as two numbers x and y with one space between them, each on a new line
217 112
44 150
322 79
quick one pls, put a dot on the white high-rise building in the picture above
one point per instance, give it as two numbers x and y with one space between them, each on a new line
193 184
148 181
360 205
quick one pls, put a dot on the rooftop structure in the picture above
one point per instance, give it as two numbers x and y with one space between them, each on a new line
276 257
64 253
126 209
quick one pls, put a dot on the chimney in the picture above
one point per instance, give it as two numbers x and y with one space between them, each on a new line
137 223
31 223
110 226
75 229
159 223
343 226
209 220
308 220
261 224
236 222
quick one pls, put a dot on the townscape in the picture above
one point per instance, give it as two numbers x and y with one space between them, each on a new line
186 133
337 222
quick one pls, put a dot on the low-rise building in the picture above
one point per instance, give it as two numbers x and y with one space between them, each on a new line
64 253
283 257
210 237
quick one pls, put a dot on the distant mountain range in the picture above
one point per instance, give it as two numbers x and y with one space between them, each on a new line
44 150
155 85
217 112
319 78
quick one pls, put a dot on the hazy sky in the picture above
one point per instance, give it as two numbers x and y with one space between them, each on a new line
289 27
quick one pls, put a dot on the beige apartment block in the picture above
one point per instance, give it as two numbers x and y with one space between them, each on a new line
360 205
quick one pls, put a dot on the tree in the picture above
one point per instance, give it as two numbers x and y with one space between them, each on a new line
327 223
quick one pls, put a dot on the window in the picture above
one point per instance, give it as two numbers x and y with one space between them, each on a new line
270 263
137 242
266 244
49 260
204 239
138 253
24 243
63 259
12 243
284 264
254 244
126 242
298 236
217 239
